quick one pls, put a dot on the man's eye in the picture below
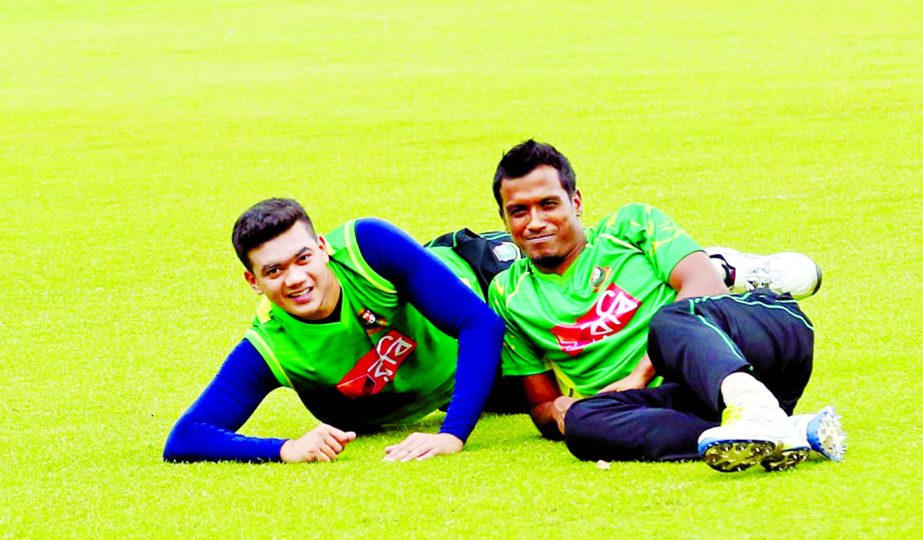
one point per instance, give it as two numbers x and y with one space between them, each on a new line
304 258
549 204
273 272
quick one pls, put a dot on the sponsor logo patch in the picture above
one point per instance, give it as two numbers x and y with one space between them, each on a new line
611 312
371 321
505 252
377 367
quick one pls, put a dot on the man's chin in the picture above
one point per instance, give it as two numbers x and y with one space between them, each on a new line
305 312
547 262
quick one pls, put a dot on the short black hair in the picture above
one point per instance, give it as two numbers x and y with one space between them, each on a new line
264 221
525 157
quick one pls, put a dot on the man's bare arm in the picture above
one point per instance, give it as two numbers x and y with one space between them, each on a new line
695 276
541 392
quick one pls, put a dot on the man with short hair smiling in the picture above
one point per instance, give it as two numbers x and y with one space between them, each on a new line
367 326
601 310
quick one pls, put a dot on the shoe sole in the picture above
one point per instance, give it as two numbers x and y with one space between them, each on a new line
826 435
820 278
734 456
784 460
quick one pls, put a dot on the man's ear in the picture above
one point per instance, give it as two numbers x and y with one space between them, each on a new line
578 203
502 215
324 247
251 279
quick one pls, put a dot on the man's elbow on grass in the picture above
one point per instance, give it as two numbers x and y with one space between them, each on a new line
175 449
192 441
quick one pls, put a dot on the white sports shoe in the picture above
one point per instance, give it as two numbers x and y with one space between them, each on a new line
786 272
824 432
752 435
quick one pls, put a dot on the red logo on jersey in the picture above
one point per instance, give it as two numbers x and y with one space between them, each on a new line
371 321
609 314
377 367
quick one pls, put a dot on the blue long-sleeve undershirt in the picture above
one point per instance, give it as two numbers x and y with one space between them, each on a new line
207 430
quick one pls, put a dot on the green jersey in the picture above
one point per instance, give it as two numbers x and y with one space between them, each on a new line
590 324
382 362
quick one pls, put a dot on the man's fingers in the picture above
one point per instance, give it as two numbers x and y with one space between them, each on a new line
318 455
412 455
397 452
560 421
401 451
333 443
339 434
395 447
431 452
328 452
419 446
416 450
402 446
342 436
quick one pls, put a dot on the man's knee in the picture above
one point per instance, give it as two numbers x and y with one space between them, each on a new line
668 317
662 332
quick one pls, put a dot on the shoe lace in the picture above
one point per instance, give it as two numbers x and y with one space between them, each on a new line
762 276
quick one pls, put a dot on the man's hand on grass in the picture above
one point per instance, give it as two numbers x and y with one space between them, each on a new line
322 443
424 446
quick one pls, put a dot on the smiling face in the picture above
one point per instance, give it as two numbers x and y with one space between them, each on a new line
543 219
291 270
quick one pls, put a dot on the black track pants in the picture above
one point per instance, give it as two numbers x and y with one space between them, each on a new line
694 344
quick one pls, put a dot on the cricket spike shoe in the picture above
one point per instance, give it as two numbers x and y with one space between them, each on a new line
786 272
824 432
752 435
790 451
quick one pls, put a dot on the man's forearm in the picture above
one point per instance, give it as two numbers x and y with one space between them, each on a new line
207 431
478 355
194 441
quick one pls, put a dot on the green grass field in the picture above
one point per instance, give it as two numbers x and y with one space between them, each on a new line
133 133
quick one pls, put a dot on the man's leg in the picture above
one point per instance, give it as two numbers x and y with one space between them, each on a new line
700 341
713 345
651 424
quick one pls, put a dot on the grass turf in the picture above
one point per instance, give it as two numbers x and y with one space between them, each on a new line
134 133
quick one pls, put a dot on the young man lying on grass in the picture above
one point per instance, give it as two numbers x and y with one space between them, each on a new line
367 326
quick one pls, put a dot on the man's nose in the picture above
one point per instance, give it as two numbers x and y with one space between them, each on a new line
295 276
536 220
